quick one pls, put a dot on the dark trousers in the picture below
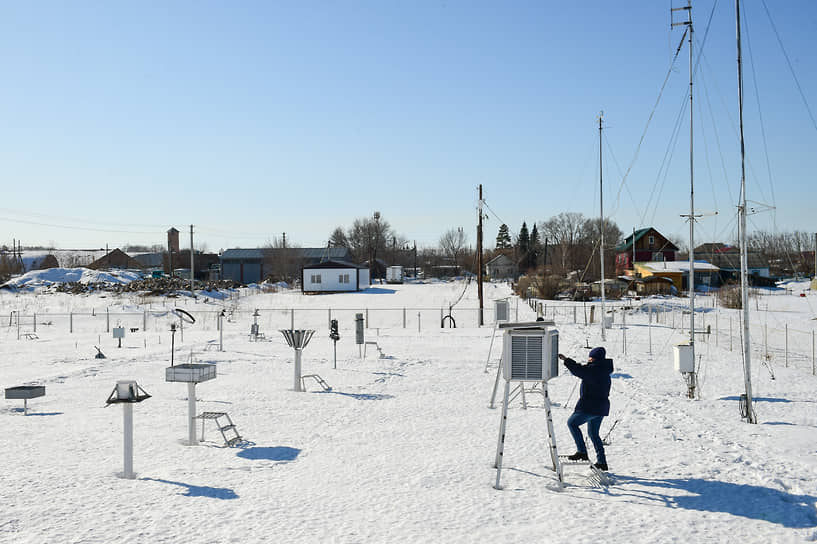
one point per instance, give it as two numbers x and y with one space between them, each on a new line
593 426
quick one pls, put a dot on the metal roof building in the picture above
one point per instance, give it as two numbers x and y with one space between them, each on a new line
254 265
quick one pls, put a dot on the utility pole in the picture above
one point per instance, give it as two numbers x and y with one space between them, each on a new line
601 231
192 294
479 258
415 259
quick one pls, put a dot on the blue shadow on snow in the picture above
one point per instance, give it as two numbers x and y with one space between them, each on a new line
358 396
274 453
741 500
622 375
378 291
757 399
200 490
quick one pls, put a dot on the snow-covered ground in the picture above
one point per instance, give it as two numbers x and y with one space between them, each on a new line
402 447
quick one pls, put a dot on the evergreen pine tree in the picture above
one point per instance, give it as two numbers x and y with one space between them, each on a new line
523 246
534 249
503 238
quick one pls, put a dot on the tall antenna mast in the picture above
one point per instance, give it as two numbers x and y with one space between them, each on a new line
690 375
744 260
601 230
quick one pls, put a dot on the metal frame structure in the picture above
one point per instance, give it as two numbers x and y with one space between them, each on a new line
540 374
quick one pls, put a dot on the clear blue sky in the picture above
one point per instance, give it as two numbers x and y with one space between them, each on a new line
249 119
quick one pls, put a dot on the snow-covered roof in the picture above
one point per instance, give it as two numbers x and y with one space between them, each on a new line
678 266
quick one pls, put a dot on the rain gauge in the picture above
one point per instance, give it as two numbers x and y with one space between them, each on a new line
298 339
127 393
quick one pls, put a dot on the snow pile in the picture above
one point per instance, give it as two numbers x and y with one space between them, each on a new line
55 276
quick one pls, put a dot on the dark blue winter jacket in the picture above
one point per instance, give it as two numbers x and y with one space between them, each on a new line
595 389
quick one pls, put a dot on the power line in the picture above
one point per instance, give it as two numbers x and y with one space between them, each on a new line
791 68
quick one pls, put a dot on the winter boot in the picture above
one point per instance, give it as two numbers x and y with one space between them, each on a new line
601 466
578 456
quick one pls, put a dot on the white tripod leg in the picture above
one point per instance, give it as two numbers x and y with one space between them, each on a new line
500 447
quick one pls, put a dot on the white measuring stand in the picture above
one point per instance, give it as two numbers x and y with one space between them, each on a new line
297 339
529 354
501 313
127 393
191 374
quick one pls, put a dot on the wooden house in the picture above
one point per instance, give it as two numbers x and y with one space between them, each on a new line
502 267
115 259
644 245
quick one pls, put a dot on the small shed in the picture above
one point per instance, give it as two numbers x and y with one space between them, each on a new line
653 285
334 277
502 267
678 272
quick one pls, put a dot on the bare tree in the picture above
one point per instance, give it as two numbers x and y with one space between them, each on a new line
281 259
338 238
564 232
591 237
368 238
453 243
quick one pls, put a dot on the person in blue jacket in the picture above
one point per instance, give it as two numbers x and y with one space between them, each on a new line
593 405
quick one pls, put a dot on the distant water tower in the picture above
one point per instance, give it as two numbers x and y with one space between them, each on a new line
173 240
172 247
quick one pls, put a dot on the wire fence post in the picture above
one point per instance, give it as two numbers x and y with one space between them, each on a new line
35 321
787 346
107 320
574 315
812 352
292 319
624 331
70 322
404 318
766 341
145 320
418 322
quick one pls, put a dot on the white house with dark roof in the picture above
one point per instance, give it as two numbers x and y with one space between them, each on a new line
334 277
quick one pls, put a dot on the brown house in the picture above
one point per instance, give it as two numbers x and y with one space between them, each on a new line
49 261
115 259
650 245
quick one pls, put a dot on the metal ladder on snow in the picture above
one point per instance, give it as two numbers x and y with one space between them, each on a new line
325 386
229 441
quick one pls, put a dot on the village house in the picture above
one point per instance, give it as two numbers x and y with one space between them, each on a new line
644 245
501 267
